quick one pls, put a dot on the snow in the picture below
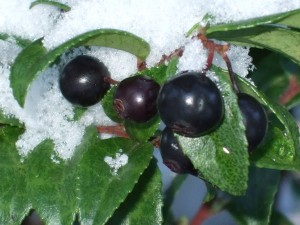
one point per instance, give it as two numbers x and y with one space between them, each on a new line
116 163
163 24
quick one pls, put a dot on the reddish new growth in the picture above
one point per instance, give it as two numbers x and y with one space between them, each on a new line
292 90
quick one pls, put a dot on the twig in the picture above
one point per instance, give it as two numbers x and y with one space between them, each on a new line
141 65
117 130
204 212
231 73
292 90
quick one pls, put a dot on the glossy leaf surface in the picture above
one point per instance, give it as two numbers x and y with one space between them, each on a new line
269 32
256 206
144 204
59 190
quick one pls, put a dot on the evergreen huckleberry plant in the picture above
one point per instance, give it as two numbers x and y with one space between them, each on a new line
101 100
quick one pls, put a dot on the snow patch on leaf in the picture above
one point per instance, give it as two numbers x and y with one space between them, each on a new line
116 163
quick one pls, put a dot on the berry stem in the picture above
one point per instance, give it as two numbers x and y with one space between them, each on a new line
220 49
211 53
110 80
176 53
117 130
141 65
210 45
155 141
231 73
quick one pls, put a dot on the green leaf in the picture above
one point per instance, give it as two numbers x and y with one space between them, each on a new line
222 156
278 218
25 68
263 32
9 120
273 38
255 207
281 18
101 192
158 73
61 189
170 195
211 193
59 5
280 149
292 21
274 75
19 41
107 104
276 152
172 68
143 205
142 131
270 77
35 58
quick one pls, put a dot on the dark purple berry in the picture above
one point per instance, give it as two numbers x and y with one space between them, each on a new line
254 118
135 98
190 104
172 154
82 81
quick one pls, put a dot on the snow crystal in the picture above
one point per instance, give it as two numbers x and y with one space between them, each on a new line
152 20
17 19
163 24
223 11
240 60
193 52
116 163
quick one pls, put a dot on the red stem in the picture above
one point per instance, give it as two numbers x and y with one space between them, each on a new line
292 90
231 73
176 53
117 130
110 80
211 53
203 213
141 65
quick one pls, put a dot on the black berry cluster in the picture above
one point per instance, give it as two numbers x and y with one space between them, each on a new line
190 104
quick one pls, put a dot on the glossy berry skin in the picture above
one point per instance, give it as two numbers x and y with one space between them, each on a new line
190 104
82 81
173 156
135 98
254 118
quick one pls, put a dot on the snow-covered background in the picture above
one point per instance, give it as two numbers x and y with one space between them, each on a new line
162 24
